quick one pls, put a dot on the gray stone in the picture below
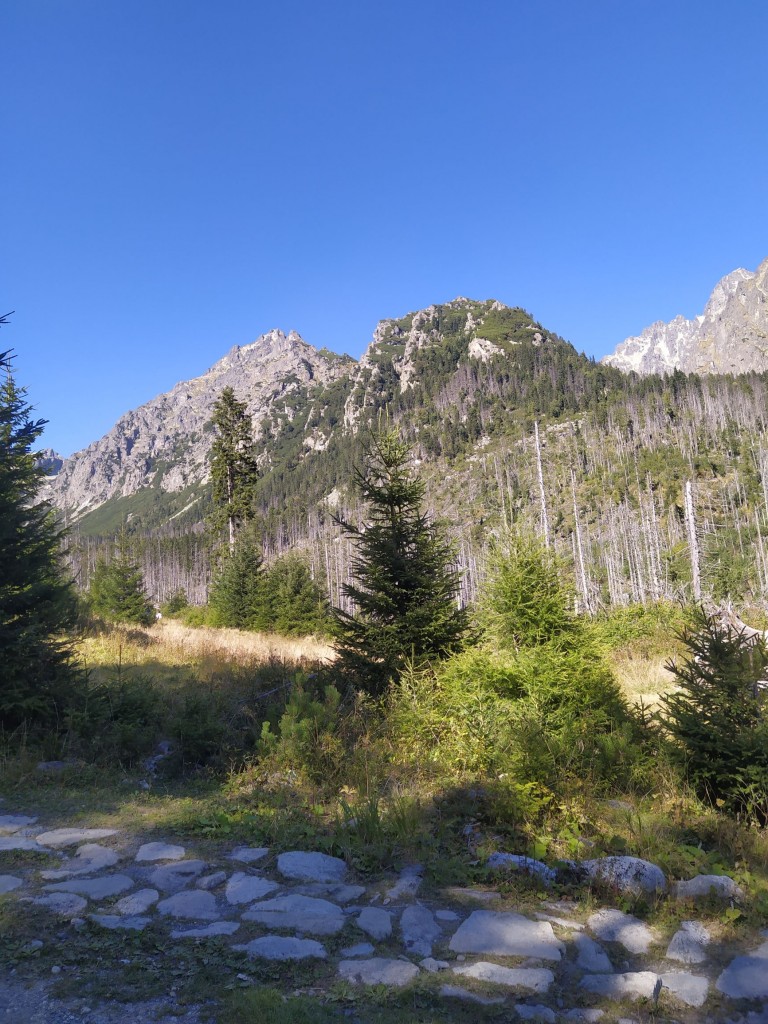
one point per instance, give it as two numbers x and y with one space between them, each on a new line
88 860
506 934
20 843
627 874
174 877
207 931
536 1012
517 862
10 823
408 882
278 947
242 888
703 887
616 926
65 904
114 922
591 956
581 1016
746 977
419 930
138 902
94 888
375 922
475 895
311 867
194 903
690 989
446 915
537 979
454 992
211 881
300 913
633 985
72 836
8 883
359 949
337 893
160 851
561 922
249 854
687 944
378 971
433 966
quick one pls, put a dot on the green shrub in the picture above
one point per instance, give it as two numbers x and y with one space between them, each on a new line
307 737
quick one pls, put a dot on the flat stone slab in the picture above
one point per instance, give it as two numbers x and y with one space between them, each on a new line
746 977
633 985
207 931
249 854
115 923
72 836
627 874
517 862
8 883
13 822
535 979
94 888
591 956
87 861
433 966
194 903
212 880
359 949
688 942
174 877
160 851
338 893
616 926
408 882
311 867
21 843
65 904
455 992
561 922
375 922
702 887
278 947
506 934
138 902
691 989
242 888
536 1013
378 971
419 930
299 913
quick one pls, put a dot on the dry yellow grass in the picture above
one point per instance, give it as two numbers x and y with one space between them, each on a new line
642 679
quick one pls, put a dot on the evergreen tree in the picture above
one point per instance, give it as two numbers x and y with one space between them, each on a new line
296 602
117 590
37 603
405 583
234 469
237 597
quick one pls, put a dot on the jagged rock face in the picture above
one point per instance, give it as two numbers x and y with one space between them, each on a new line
166 442
730 336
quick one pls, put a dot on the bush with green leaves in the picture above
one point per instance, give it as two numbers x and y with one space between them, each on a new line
718 716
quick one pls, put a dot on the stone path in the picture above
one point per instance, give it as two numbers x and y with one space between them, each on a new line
304 906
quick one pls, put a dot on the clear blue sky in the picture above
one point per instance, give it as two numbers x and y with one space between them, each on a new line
179 176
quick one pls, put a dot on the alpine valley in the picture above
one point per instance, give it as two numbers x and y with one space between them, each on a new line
508 423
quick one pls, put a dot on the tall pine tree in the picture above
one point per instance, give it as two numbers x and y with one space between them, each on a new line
37 604
234 470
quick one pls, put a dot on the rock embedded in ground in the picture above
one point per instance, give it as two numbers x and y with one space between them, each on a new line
378 971
279 947
207 931
298 913
339 893
311 867
159 851
71 836
211 881
419 930
703 887
616 926
561 922
632 985
65 904
746 977
591 956
87 861
194 904
359 949
138 902
94 888
518 862
536 979
584 1016
455 992
408 882
691 989
433 966
115 922
10 823
8 883
173 877
249 854
627 874
536 1013
375 922
688 942
15 842
506 934
243 888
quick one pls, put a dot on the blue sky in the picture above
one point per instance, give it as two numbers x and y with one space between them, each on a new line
180 176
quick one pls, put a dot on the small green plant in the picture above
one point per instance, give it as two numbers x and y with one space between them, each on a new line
307 738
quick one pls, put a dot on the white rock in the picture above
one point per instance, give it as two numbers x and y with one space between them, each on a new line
517 862
633 985
419 930
138 902
278 947
378 971
746 977
536 979
375 922
173 877
690 989
242 888
207 931
446 915
115 922
616 926
627 874
591 956
249 854
65 904
87 860
703 887
194 903
688 942
454 992
433 966
506 934
408 883
311 867
94 888
300 913
8 883
211 881
160 851
71 836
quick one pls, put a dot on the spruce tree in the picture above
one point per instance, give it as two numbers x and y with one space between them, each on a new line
234 470
237 598
117 590
37 604
405 584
